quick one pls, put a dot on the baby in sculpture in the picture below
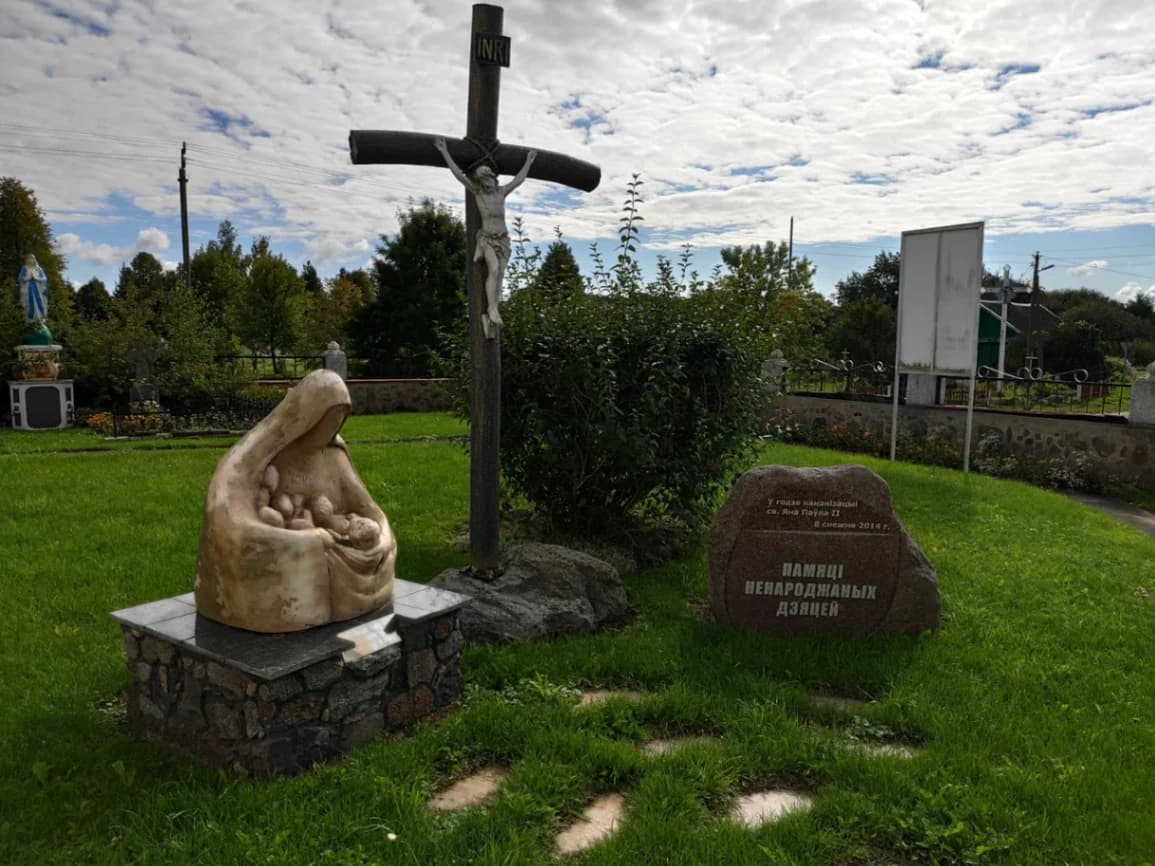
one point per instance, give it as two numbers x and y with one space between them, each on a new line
291 537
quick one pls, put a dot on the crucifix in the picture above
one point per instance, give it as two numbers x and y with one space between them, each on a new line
476 161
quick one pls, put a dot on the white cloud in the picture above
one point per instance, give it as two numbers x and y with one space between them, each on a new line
72 246
1088 268
151 240
865 118
1132 290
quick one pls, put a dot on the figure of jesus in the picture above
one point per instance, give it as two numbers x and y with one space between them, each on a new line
33 290
492 240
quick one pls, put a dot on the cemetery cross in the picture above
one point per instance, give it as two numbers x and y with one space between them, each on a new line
479 157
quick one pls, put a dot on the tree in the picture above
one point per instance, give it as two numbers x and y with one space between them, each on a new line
268 311
143 282
864 328
772 298
1114 321
218 274
763 272
363 279
559 274
864 324
1074 345
420 277
93 302
1142 306
879 281
328 313
24 230
311 281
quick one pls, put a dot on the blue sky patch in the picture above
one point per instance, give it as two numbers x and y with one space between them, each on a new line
1010 70
1113 109
231 124
872 179
929 61
88 25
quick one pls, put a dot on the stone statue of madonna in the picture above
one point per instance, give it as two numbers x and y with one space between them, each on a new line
291 538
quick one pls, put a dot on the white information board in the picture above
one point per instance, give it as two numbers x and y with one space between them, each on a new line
939 286
939 283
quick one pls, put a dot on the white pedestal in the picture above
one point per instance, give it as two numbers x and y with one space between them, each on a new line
45 404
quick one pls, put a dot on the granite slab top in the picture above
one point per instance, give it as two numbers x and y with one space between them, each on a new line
269 656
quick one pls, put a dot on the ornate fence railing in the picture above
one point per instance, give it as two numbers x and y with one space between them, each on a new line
225 413
844 376
1033 390
259 366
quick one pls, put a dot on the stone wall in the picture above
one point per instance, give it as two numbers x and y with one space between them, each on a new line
1116 451
377 396
225 717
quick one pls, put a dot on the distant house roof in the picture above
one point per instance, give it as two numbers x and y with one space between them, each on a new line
1019 314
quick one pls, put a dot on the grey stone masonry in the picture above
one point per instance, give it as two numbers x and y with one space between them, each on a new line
1143 399
265 704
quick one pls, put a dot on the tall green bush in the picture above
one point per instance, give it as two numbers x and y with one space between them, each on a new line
624 407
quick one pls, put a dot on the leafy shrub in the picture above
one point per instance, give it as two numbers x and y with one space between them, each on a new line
624 407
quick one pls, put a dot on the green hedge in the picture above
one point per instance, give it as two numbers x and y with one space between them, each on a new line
624 408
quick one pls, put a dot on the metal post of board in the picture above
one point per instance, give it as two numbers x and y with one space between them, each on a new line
975 362
897 367
970 426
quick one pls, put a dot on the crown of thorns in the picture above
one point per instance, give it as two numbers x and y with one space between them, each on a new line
485 155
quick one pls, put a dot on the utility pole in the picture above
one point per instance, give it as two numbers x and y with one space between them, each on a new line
790 266
1034 304
182 178
1006 298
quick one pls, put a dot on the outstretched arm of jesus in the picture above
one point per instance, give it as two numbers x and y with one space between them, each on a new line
443 149
520 177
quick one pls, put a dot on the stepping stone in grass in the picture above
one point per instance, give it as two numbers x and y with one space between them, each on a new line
838 702
596 696
470 791
887 750
665 746
763 807
600 820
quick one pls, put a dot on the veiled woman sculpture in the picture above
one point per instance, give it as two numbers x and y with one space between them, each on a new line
291 537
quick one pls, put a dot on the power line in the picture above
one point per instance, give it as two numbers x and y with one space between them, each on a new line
1110 270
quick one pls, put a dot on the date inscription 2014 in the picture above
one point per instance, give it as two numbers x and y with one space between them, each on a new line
836 514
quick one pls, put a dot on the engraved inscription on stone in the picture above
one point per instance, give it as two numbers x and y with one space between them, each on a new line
796 551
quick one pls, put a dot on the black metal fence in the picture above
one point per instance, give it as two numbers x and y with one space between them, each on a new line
1033 390
1026 390
258 366
226 413
842 377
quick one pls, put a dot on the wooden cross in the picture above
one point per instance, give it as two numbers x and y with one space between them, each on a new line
488 53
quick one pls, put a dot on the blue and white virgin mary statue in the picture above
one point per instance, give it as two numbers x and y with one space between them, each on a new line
33 291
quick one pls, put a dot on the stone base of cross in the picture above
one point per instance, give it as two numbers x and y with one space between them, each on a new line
477 160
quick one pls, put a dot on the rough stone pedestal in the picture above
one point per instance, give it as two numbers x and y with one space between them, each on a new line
278 703
544 591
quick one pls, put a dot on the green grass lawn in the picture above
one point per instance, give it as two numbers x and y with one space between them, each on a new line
1034 704
360 428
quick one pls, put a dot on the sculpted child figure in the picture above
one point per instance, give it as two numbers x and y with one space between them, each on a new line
291 537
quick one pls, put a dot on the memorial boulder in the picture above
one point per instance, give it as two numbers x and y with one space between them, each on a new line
818 551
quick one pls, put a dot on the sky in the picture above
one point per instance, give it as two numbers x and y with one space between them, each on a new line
858 118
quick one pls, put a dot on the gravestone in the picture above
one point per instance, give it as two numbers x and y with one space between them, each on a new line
336 359
773 373
142 389
817 550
